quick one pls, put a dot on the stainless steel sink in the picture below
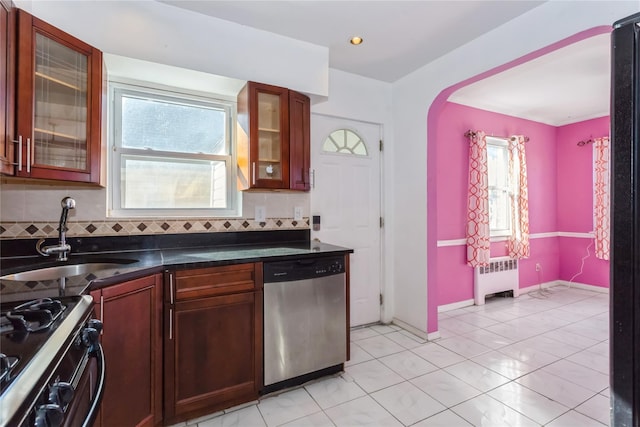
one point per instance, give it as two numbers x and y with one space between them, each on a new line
67 270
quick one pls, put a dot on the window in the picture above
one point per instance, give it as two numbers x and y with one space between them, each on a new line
344 141
499 187
171 154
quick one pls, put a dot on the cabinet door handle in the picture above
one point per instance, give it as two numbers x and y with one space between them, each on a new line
253 173
28 155
171 323
19 162
312 172
171 288
102 312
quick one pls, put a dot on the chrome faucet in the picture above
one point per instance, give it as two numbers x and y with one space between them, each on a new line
62 248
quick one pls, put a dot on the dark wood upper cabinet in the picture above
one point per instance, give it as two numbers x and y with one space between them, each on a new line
299 141
7 85
131 313
213 339
263 140
273 138
58 116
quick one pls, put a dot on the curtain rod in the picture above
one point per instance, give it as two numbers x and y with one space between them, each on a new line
472 133
590 140
584 142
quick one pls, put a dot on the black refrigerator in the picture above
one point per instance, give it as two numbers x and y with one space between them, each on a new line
625 224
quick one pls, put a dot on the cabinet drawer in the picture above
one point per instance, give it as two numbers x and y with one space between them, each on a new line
213 281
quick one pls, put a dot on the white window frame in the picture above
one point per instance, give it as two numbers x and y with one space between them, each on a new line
115 210
502 143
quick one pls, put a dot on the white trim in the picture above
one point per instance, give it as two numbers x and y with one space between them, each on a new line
461 242
544 235
385 309
415 331
588 235
545 285
433 336
454 242
593 288
455 305
565 283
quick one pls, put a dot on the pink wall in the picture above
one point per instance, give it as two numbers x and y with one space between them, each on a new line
575 202
434 272
454 277
560 199
453 167
595 271
575 175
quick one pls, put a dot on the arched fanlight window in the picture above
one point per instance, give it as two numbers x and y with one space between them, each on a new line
344 141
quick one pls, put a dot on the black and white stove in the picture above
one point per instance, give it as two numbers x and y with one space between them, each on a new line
51 364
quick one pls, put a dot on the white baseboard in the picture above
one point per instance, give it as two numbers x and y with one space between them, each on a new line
584 286
565 283
415 331
544 285
433 336
455 305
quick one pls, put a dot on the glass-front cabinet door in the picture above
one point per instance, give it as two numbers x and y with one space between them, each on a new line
59 88
60 115
269 135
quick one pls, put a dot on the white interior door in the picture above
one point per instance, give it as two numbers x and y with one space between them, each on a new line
346 195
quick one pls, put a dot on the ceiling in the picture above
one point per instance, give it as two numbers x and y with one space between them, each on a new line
399 36
565 86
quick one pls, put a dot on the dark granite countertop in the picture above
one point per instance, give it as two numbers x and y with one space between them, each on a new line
134 263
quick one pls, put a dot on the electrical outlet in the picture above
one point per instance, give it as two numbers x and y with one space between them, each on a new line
538 266
297 213
261 214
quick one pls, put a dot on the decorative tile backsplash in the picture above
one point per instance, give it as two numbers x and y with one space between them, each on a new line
113 227
32 210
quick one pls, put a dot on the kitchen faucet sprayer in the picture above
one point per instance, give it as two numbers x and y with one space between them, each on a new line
62 248
67 203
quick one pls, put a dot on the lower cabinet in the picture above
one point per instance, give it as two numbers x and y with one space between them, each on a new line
131 314
213 339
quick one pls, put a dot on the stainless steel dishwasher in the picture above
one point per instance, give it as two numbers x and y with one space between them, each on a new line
304 319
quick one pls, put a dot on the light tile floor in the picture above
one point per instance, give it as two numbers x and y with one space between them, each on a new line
529 361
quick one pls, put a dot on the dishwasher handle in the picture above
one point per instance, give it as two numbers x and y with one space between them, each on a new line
306 262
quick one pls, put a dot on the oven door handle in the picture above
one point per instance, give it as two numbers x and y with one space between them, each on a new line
97 399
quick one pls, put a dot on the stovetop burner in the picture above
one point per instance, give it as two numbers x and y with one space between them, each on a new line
24 330
34 316
44 342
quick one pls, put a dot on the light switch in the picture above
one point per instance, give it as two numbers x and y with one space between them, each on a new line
297 213
261 214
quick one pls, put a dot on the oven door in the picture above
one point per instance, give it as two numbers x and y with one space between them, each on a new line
84 407
80 407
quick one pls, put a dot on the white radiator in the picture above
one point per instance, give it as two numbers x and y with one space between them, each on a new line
500 275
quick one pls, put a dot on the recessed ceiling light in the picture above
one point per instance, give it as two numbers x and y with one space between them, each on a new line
356 40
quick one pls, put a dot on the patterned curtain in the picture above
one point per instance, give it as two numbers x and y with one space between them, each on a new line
478 235
601 196
518 242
